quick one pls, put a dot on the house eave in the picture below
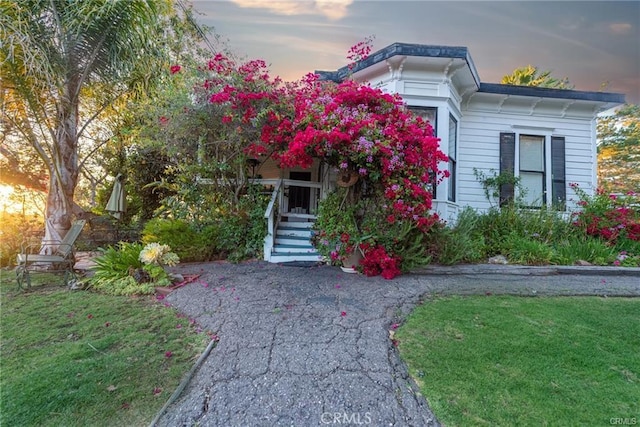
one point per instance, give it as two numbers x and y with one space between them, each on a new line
604 100
406 50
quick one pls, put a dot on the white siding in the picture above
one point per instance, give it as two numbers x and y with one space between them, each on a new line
479 148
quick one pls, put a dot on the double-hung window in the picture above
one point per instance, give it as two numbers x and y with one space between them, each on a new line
538 161
532 170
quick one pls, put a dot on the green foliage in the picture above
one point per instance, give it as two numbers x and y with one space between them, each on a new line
619 150
150 174
583 248
462 243
527 250
531 237
544 225
243 229
492 184
532 76
116 267
189 243
481 360
337 218
80 63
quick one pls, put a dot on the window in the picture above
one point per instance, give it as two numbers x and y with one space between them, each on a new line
429 114
532 171
453 143
532 168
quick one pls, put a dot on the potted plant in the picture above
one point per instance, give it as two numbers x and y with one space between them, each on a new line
337 233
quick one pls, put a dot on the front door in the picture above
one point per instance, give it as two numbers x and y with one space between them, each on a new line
299 197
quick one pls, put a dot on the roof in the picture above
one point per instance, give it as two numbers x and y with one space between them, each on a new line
544 92
462 53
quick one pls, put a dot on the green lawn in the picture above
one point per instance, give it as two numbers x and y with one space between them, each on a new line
79 358
500 360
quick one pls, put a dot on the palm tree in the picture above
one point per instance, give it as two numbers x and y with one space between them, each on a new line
57 56
531 76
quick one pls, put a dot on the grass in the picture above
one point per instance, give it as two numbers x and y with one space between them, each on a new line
78 358
488 360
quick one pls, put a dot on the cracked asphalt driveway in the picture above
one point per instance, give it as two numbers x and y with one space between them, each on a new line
304 346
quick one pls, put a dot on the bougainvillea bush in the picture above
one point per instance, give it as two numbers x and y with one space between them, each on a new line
350 126
610 217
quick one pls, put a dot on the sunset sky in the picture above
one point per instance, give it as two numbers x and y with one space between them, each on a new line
589 42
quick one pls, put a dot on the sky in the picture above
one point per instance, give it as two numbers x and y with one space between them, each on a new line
590 42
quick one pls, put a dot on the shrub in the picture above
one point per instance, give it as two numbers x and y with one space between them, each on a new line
610 217
542 225
526 250
462 243
243 229
114 271
582 248
187 242
132 269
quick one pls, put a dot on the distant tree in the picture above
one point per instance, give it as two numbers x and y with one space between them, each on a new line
64 65
531 76
619 150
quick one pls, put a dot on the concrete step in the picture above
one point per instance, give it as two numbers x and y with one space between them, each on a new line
293 232
294 224
293 240
294 249
290 257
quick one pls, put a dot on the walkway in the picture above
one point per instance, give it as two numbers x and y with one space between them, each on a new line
305 346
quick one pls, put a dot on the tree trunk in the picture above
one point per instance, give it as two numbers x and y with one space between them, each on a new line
63 169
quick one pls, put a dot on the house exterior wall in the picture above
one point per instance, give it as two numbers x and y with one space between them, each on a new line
479 148
481 118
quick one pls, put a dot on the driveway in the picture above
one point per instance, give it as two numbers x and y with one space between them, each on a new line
309 345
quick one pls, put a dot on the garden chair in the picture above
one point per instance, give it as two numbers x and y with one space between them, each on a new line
62 259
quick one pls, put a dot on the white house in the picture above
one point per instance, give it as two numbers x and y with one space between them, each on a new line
546 137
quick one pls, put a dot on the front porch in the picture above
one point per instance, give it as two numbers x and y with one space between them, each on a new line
290 216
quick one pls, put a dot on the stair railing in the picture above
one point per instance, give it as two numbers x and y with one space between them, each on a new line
271 216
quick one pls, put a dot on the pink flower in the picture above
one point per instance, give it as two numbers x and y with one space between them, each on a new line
89 316
343 314
168 354
179 326
175 69
157 391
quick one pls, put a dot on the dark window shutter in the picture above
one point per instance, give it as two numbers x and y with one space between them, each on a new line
558 175
507 164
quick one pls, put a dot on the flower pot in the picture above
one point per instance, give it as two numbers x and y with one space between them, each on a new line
352 261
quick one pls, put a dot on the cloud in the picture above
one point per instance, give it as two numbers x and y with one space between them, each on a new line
620 27
332 9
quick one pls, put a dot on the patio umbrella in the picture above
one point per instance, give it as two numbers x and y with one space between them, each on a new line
117 203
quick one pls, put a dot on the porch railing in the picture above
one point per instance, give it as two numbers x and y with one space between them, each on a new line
277 209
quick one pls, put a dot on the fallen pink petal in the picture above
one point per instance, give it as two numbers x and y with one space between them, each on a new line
344 313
